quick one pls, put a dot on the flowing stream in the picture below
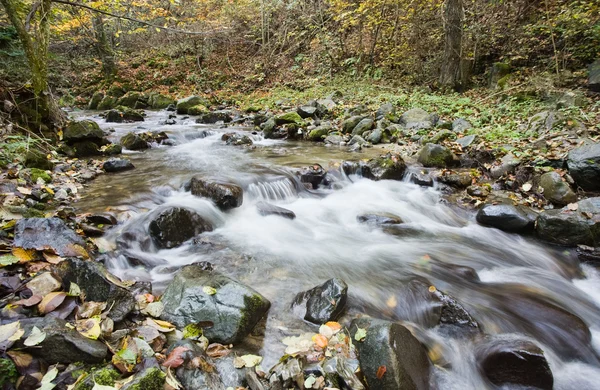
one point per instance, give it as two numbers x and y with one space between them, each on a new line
517 279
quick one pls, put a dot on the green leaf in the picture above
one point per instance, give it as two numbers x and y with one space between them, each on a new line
36 337
74 290
360 334
8 260
209 290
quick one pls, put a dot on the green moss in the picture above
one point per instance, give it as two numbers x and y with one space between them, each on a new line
39 174
252 304
151 379
197 110
33 213
8 372
192 331
289 117
105 376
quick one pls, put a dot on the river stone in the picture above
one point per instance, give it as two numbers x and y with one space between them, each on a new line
174 226
38 159
125 116
97 284
157 101
514 362
266 209
334 139
183 105
44 233
212 117
107 103
363 126
62 344
236 139
131 99
95 100
386 167
421 179
319 134
87 130
151 378
391 345
584 166
225 195
556 190
234 308
117 165
85 149
465 142
322 303
313 176
269 128
193 378
418 119
133 141
375 136
379 219
442 136
289 118
460 125
349 124
433 155
43 284
385 111
571 228
594 76
506 217
306 111
478 191
508 163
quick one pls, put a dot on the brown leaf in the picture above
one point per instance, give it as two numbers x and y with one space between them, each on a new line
52 258
31 301
175 358
217 350
51 301
381 372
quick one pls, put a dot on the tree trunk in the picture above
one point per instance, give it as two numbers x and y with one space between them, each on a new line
35 46
105 52
450 75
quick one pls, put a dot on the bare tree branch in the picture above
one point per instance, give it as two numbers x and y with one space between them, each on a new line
36 5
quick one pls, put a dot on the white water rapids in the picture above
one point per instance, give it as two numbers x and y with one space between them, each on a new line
280 257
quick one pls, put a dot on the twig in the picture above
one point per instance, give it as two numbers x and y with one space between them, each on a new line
36 5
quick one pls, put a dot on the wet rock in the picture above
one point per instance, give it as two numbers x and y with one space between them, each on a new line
325 107
421 179
101 219
151 378
133 141
453 313
133 99
236 139
322 303
266 209
363 126
197 295
556 190
379 219
386 167
435 156
85 149
183 105
125 116
507 165
174 226
117 165
418 119
314 176
514 362
225 195
478 191
570 228
270 129
460 125
98 285
212 117
111 149
594 76
43 233
349 124
584 166
512 219
456 179
307 111
197 376
63 344
86 130
392 346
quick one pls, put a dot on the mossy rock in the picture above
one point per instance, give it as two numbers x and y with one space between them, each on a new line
130 99
150 379
183 105
107 103
86 149
105 376
82 130
289 117
133 141
319 133
435 156
40 174
111 149
38 159
197 110
97 97
160 102
116 91
8 372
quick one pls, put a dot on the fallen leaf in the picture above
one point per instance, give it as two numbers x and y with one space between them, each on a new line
209 290
51 301
10 333
74 290
91 309
52 258
24 190
573 206
320 340
161 326
35 337
392 302
360 334
526 187
31 301
247 361
172 380
25 255
381 372
298 344
216 350
310 381
46 382
89 328
335 326
8 260
175 358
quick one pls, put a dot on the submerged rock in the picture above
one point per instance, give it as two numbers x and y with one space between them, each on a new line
512 219
390 345
314 176
584 166
117 165
266 209
225 195
98 285
514 362
176 225
379 219
48 233
386 167
322 303
197 295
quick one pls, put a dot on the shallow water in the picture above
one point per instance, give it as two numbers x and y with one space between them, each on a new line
280 257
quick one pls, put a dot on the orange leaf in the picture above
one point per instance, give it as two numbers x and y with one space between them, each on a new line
51 301
381 372
320 340
24 255
175 358
335 326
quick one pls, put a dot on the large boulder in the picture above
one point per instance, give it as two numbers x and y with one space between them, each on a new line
584 166
95 100
418 119
117 165
183 105
323 303
556 190
387 167
513 219
124 115
160 102
269 129
198 295
432 155
98 285
349 124
212 117
48 234
363 126
133 99
63 344
133 141
594 76
38 159
225 195
516 362
107 103
499 74
86 130
392 346
572 227
174 226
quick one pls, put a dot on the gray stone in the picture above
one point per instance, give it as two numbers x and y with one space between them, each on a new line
438 156
323 303
225 195
460 125
594 76
584 166
466 141
571 228
349 124
556 190
506 217
334 139
117 165
307 111
386 167
442 136
198 295
507 165
45 233
266 209
418 119
174 226
392 346
386 111
212 117
269 128
363 126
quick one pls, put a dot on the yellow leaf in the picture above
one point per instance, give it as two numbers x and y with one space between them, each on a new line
89 328
24 255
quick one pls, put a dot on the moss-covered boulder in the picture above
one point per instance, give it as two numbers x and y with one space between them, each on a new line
387 167
38 159
124 115
133 141
36 174
95 100
556 190
320 133
349 124
436 156
157 101
289 117
197 295
133 100
82 130
149 379
107 103
85 149
183 105
499 74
